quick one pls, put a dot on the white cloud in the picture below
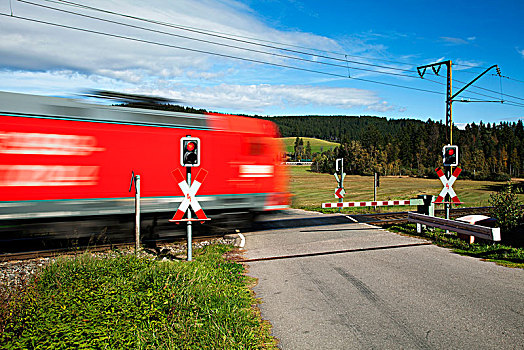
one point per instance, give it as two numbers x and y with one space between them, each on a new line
460 64
42 59
453 40
31 46
259 98
460 126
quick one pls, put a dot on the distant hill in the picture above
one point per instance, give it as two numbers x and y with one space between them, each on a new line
317 146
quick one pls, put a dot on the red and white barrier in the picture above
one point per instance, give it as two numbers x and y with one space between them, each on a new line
372 204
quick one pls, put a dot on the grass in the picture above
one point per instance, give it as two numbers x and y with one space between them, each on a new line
129 302
311 189
497 253
316 144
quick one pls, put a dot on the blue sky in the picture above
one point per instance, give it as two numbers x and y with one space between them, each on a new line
324 42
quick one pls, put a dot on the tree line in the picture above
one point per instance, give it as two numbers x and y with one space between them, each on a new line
410 147
371 144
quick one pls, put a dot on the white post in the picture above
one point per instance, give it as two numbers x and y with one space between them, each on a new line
137 213
375 189
189 227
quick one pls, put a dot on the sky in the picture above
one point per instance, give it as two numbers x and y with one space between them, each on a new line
273 57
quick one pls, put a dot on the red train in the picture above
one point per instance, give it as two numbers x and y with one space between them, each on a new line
61 158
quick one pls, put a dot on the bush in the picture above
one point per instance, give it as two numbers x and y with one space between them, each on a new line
507 209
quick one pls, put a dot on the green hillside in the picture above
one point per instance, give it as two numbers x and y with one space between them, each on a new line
316 144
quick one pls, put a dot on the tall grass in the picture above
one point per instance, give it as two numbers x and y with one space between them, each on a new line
132 302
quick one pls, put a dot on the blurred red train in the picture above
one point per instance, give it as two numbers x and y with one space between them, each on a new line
61 158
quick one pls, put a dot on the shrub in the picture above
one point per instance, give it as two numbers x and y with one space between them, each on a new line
507 209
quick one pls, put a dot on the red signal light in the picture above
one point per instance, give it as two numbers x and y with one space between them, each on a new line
451 151
190 146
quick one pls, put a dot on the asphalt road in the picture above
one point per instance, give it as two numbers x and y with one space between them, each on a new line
329 283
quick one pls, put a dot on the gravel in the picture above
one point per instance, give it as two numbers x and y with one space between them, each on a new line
14 274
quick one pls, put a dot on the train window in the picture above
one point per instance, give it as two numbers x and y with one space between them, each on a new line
256 147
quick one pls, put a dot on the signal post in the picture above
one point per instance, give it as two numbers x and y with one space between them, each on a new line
189 158
449 159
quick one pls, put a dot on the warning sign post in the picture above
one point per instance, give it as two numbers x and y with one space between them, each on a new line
189 157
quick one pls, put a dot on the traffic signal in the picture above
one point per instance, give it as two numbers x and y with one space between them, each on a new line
190 151
450 155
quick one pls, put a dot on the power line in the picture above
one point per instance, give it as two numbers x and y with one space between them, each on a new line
232 37
237 47
476 87
227 45
216 53
509 78
222 44
481 88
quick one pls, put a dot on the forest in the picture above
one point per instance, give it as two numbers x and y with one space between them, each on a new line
409 147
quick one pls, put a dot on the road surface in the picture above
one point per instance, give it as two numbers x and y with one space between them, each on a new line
326 282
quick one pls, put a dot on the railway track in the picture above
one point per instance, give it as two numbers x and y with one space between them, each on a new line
380 219
384 219
152 245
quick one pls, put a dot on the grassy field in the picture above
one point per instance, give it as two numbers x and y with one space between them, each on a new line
316 144
311 189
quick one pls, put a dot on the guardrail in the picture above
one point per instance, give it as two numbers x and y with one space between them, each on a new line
492 234
299 163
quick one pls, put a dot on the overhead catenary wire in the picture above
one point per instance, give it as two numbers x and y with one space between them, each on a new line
346 66
509 78
478 87
218 54
233 37
220 44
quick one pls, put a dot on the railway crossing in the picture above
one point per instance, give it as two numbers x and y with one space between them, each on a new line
190 199
189 157
373 204
448 183
449 159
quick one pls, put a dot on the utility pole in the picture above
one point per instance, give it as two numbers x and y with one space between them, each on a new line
436 69
450 98
449 116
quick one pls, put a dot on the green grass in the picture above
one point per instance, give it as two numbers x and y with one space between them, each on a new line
127 302
311 189
316 144
497 253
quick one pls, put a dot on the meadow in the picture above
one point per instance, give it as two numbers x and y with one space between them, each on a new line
311 189
317 145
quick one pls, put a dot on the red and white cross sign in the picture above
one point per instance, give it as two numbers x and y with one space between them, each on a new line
448 186
189 196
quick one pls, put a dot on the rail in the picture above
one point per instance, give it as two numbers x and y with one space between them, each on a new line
488 233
